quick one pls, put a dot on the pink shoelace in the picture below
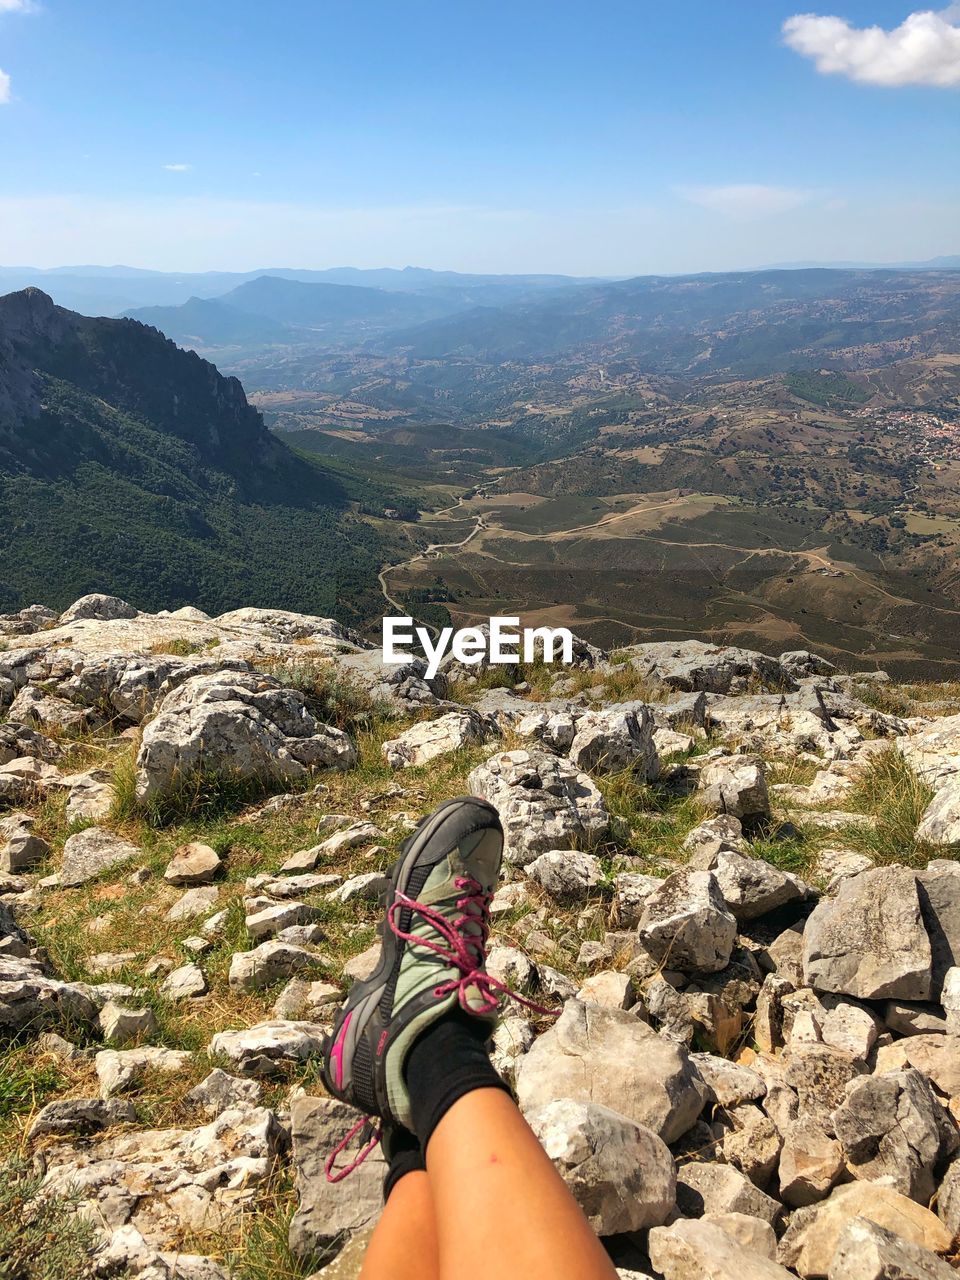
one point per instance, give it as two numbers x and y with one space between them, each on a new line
465 951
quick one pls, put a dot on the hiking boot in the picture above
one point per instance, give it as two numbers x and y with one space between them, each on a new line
434 938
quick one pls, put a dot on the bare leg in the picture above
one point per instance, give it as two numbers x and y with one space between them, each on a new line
404 1243
502 1210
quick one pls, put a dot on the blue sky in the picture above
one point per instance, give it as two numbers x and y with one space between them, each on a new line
612 137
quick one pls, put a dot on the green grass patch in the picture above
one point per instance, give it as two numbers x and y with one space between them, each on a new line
41 1239
890 791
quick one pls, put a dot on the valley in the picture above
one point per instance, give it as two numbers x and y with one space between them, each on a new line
768 459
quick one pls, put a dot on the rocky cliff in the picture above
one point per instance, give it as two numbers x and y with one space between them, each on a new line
733 876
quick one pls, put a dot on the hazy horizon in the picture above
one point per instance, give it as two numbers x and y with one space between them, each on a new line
632 140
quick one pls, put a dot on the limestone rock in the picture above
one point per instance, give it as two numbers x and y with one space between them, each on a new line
370 886
544 802
565 874
608 988
935 1056
719 1188
940 824
255 1049
686 924
730 1084
269 963
611 1058
631 889
750 886
735 785
328 1212
220 1090
120 1025
870 941
939 890
866 1251
697 1250
820 1075
890 1127
91 795
194 902
89 853
810 1241
267 922
167 1181
97 608
620 1173
119 1069
431 738
193 864
78 1117
948 1199
616 738
184 983
235 723
810 1163
20 849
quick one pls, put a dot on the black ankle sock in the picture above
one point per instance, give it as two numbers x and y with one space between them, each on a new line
406 1156
447 1061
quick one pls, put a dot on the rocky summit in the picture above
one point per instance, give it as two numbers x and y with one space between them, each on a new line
733 876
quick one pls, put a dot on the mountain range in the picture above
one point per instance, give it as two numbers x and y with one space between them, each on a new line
128 463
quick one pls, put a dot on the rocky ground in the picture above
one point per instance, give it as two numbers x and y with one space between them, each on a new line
733 875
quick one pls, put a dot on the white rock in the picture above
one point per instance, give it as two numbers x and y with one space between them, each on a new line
621 1174
565 874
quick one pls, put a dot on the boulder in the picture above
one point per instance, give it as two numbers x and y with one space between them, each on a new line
543 801
939 890
610 1057
698 1250
870 941
891 1129
97 608
810 1163
329 1212
621 1174
750 886
20 848
614 739
730 1083
608 988
565 874
686 925
691 666
193 864
866 1251
91 852
431 738
810 1241
735 785
236 724
704 1187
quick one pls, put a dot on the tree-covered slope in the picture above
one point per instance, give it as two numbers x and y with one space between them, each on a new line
130 464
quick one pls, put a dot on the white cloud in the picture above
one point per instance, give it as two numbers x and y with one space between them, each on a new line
178 168
746 201
16 6
4 86
924 49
